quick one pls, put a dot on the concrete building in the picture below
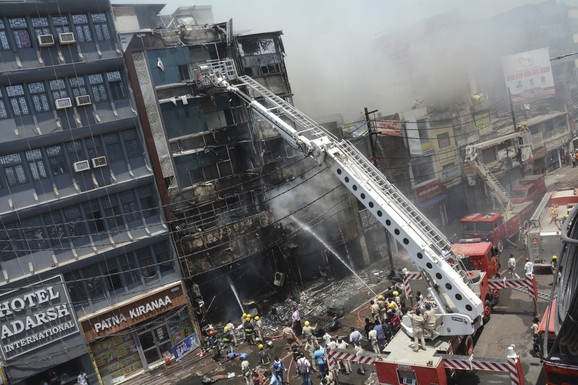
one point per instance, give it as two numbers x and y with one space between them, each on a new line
233 187
88 273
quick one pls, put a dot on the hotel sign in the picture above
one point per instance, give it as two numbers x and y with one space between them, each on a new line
34 316
133 312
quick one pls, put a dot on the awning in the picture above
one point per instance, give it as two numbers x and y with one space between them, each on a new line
432 201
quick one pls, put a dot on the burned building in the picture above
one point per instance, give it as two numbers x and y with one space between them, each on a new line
231 185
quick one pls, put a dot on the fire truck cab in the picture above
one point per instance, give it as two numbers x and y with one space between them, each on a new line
483 256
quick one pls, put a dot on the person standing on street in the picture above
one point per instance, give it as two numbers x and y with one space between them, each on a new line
304 368
307 330
259 328
279 368
528 267
373 340
374 311
82 378
231 328
290 337
310 347
417 323
319 356
245 369
341 344
512 267
249 331
354 336
296 318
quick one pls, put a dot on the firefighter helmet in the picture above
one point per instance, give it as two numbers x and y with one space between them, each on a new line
306 323
391 305
380 296
396 293
226 329
260 346
256 318
554 257
244 315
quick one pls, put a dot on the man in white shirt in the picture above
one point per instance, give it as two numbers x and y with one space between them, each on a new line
528 267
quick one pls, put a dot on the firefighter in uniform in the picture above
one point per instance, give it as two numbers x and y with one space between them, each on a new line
264 356
430 320
249 331
417 322
228 339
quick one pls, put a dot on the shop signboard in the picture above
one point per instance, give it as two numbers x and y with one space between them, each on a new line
428 190
529 75
34 316
132 312
185 346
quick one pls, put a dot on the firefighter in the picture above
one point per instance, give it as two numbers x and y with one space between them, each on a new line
249 331
228 339
374 311
259 328
232 331
310 347
381 303
307 330
264 356
417 324
430 320
554 263
290 337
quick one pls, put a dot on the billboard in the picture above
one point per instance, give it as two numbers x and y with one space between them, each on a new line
529 75
36 315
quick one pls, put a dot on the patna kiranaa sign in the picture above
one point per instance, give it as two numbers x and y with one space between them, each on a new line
34 316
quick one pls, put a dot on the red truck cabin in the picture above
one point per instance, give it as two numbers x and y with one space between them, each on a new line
483 255
485 226
398 374
531 188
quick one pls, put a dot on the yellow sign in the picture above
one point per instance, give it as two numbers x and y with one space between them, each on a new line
482 122
427 148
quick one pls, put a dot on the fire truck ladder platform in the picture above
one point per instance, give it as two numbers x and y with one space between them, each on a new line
528 283
510 365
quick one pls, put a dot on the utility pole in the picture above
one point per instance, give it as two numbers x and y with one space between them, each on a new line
375 163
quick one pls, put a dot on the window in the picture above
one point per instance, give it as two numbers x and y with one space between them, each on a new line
34 234
76 288
20 32
40 25
10 247
163 257
116 86
147 201
60 24
94 281
97 85
100 26
81 28
112 212
56 160
74 222
17 100
58 89
78 86
36 164
146 263
3 37
184 72
13 169
94 217
131 144
114 151
129 207
113 278
3 111
54 225
39 97
94 147
422 127
75 151
443 140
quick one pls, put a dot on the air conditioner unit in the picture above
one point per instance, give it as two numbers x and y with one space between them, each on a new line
99 161
63 103
83 165
83 100
66 38
279 279
45 40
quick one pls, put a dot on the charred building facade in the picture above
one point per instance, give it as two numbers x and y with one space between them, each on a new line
83 244
232 187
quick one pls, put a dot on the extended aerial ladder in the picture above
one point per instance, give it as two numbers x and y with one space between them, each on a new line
497 189
459 309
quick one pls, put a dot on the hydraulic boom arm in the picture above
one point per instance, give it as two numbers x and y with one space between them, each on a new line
461 308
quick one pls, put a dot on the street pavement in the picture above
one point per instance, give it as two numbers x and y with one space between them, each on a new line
509 325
